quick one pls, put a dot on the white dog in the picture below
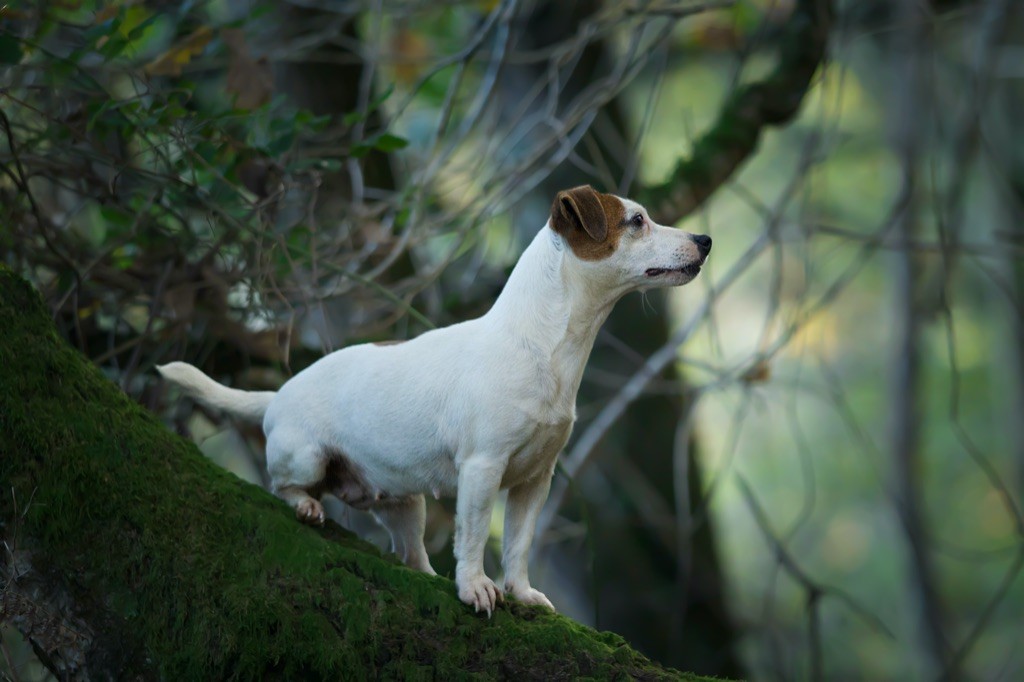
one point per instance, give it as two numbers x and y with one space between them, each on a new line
469 409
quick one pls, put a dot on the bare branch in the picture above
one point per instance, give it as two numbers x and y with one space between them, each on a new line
906 360
773 101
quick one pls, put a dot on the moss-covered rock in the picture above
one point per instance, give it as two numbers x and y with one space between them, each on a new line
146 560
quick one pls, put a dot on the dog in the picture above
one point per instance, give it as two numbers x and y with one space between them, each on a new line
466 410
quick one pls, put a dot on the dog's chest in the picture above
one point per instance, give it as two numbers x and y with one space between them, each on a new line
537 453
551 383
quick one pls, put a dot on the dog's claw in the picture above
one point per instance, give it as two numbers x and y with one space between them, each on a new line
310 511
530 597
480 593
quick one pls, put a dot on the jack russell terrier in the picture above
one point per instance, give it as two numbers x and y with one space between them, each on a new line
469 409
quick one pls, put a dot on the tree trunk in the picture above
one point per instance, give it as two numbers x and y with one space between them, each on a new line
679 590
132 556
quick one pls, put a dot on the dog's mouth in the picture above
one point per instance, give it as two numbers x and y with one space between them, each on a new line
691 271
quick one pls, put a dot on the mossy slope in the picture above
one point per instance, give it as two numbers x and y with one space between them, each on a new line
198 575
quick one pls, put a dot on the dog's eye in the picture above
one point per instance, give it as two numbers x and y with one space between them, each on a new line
637 220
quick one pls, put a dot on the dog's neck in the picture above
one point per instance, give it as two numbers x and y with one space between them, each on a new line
549 305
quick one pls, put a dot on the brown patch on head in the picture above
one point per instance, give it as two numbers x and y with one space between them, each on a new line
590 222
392 342
344 479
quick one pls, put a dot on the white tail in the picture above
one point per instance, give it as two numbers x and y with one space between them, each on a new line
248 406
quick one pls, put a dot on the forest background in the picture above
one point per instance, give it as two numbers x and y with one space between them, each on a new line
807 463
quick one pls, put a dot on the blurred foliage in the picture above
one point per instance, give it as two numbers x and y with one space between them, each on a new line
151 194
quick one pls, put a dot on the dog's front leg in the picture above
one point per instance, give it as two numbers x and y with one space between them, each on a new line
479 480
524 504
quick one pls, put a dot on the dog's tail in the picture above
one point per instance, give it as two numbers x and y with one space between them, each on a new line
247 406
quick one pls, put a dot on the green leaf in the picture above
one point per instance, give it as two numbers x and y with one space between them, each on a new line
123 258
136 33
389 143
306 119
100 30
385 142
280 144
116 217
96 112
113 47
10 49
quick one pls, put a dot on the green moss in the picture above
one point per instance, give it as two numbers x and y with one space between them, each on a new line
204 576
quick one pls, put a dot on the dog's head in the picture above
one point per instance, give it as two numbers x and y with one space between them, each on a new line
615 240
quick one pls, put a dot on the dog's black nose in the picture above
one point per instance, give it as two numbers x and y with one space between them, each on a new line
703 243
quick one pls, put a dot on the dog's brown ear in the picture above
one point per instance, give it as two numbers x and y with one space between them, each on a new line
579 208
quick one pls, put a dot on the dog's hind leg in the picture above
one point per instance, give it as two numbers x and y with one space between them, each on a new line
307 508
406 518
297 477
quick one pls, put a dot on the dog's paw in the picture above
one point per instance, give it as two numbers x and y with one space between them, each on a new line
310 511
529 596
480 592
422 565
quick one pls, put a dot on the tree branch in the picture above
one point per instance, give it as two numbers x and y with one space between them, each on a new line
176 569
906 375
773 101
